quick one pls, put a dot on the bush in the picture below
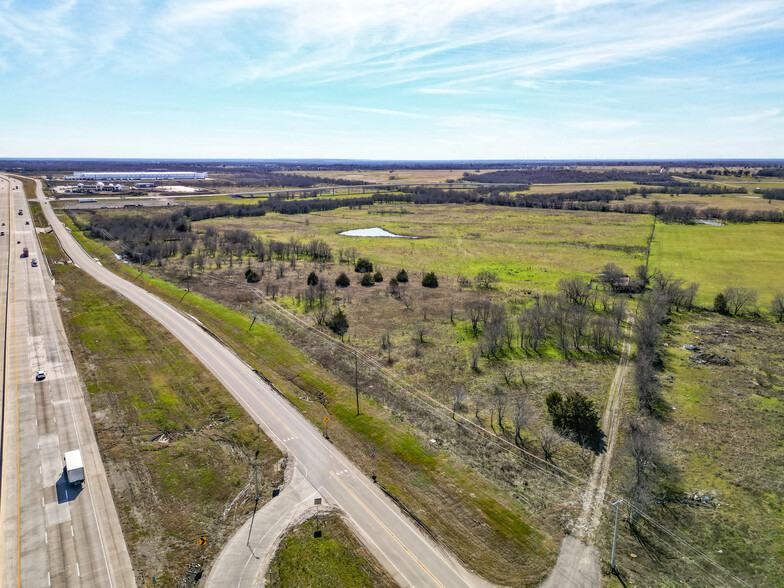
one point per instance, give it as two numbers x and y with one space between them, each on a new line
251 276
430 280
363 266
367 280
313 279
342 281
377 277
720 304
338 323
402 276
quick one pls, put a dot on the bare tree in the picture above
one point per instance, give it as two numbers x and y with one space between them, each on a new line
777 307
576 290
549 441
458 395
740 300
421 330
522 416
322 312
499 402
486 279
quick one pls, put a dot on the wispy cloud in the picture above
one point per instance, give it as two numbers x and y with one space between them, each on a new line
769 114
603 125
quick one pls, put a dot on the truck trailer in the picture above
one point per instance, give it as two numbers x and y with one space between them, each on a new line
25 252
74 468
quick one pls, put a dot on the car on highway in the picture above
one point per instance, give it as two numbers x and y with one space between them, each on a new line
41 375
2 233
34 263
27 222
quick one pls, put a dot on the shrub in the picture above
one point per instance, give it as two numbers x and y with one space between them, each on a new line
364 265
367 280
313 279
402 276
342 281
338 323
377 277
251 276
430 280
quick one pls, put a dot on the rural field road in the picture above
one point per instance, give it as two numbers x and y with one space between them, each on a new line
410 557
578 560
53 534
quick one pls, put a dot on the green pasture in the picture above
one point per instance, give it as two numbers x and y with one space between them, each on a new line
750 255
525 247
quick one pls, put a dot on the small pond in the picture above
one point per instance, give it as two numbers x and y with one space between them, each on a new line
373 232
702 221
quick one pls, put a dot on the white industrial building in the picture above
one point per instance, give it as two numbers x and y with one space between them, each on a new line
145 175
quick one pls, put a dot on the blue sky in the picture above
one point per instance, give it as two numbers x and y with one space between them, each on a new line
392 79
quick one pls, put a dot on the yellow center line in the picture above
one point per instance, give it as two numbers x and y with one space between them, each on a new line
391 534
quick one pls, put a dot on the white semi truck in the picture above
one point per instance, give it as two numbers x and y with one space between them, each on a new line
74 467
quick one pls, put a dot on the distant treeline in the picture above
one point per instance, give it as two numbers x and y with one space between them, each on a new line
772 193
549 175
771 172
157 236
263 177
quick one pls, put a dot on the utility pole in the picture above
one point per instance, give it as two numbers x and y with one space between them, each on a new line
617 505
356 378
253 322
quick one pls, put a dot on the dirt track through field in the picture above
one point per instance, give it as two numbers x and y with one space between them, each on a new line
593 498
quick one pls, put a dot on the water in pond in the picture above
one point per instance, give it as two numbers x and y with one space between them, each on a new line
701 221
373 232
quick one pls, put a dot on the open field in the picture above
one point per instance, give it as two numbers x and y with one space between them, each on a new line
176 446
506 529
723 438
527 248
749 255
725 201
334 559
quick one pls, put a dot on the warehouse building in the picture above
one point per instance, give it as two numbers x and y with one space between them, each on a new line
144 175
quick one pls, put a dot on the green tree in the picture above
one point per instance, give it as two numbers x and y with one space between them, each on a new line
377 277
402 276
251 276
338 323
576 416
363 266
367 280
313 279
720 304
429 280
342 281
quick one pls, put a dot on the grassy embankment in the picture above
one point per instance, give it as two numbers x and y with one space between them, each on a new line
481 523
334 559
723 437
177 447
749 255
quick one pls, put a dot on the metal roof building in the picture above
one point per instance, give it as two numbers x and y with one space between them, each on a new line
143 175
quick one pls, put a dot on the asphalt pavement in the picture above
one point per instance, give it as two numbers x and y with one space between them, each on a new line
411 557
53 533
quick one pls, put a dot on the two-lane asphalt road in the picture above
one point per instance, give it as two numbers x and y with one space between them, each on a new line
53 533
404 550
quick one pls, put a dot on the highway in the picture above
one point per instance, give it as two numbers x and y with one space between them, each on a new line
53 534
399 545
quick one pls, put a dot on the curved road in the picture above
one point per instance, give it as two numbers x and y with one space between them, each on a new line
410 557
